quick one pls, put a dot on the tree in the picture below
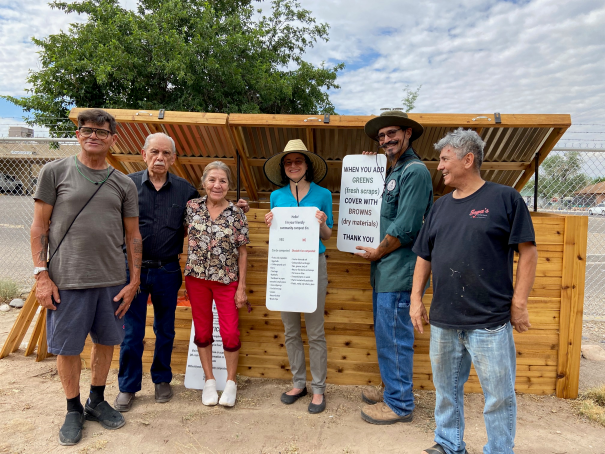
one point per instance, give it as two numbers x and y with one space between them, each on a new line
409 100
560 176
184 55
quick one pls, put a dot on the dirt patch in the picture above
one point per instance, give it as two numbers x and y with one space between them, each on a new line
32 408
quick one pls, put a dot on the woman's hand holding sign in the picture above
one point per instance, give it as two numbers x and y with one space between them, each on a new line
325 232
269 218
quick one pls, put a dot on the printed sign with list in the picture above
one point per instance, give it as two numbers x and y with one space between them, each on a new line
361 189
293 258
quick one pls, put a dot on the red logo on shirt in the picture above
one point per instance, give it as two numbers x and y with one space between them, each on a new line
479 213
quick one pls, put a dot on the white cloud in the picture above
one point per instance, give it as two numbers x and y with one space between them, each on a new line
475 56
19 22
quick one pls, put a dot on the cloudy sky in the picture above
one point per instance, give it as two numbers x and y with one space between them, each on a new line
470 56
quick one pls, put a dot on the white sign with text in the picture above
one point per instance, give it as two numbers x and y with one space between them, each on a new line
293 260
194 374
361 189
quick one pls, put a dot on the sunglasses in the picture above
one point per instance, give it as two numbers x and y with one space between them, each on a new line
298 162
85 131
390 134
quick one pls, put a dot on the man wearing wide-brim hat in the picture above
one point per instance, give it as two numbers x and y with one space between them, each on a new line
407 198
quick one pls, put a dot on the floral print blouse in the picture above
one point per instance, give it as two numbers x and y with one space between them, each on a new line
212 251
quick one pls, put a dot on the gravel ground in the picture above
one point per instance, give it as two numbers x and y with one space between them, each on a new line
593 332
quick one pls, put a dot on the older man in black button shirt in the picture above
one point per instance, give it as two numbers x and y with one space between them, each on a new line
162 200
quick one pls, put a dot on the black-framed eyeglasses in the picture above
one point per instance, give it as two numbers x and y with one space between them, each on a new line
85 131
390 134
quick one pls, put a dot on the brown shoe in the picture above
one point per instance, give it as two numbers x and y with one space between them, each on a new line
123 402
163 392
372 395
380 413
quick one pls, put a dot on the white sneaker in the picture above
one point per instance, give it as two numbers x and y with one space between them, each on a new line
229 394
209 394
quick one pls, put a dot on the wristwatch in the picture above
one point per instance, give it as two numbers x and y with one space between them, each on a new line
39 269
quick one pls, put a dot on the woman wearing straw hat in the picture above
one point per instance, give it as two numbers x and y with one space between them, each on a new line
298 171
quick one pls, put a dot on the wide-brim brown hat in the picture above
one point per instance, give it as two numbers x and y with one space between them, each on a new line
273 172
392 118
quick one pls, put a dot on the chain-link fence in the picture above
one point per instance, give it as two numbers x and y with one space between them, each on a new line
20 163
572 182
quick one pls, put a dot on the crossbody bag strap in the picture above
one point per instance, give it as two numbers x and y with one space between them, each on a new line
76 217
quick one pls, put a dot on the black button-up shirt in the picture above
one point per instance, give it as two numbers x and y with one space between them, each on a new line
161 214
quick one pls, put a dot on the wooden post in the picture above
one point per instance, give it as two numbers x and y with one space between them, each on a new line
42 344
35 336
112 161
238 143
572 306
24 319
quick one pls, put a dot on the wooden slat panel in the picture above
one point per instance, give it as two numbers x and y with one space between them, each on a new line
349 320
572 302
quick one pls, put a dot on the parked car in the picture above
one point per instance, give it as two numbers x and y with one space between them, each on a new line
10 184
599 209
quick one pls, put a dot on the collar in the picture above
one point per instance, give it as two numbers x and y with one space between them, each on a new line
205 208
145 178
409 153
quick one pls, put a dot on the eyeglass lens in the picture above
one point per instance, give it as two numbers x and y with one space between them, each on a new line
101 133
297 162
390 133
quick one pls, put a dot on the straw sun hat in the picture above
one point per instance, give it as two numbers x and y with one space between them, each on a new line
272 165
392 118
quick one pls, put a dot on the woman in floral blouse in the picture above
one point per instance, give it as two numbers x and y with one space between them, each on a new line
216 269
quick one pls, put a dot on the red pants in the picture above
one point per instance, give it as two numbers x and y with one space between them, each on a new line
201 293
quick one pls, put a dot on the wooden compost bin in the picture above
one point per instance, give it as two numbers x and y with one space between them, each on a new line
548 355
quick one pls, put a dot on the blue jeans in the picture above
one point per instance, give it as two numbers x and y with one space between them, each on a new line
163 285
395 347
492 352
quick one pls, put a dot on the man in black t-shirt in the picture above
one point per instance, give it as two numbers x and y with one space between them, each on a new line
468 241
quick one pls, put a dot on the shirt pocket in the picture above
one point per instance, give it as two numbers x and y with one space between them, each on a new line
177 216
391 202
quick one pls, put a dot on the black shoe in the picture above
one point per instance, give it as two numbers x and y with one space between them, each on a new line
288 400
71 430
106 416
163 392
318 408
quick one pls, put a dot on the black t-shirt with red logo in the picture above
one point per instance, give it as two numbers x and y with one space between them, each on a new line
470 243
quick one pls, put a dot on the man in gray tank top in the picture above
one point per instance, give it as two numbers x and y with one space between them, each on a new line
83 210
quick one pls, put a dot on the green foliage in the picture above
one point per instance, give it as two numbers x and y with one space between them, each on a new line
183 55
409 100
8 290
559 176
597 180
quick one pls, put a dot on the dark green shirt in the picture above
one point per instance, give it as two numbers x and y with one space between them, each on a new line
406 201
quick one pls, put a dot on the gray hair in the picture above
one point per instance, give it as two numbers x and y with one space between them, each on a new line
464 141
217 165
159 134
